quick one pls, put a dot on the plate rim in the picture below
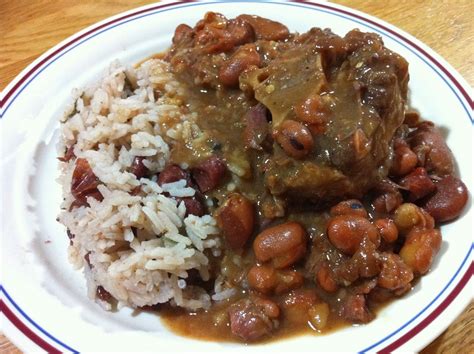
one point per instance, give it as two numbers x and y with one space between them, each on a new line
16 86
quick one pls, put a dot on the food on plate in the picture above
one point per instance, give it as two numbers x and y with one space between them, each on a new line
251 182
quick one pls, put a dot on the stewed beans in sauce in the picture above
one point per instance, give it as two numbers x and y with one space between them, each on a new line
328 191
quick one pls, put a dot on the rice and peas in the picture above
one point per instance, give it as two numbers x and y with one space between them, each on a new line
137 244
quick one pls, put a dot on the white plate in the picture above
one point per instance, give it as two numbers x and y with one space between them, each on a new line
44 299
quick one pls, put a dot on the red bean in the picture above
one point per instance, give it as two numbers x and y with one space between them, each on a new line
173 173
193 206
181 33
241 32
387 229
346 232
326 279
266 29
216 34
138 168
418 183
84 182
349 207
408 215
236 218
294 138
267 280
245 57
262 278
297 303
387 202
404 160
449 200
420 248
283 245
209 173
433 152
312 111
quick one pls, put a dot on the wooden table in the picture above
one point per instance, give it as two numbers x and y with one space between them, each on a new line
28 28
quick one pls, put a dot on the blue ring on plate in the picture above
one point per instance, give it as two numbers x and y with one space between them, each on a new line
265 2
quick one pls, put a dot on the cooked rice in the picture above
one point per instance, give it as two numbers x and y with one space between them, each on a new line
139 247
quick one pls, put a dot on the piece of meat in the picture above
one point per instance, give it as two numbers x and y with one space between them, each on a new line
395 274
352 154
355 309
209 174
250 321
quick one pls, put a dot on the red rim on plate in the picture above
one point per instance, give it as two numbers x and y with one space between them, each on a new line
13 312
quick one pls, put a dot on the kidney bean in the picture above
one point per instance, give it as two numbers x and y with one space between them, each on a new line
256 127
241 32
138 168
449 200
318 315
236 218
296 303
433 152
387 202
355 309
312 111
262 278
288 279
173 173
420 248
182 33
349 207
404 159
387 229
325 278
294 138
209 173
250 319
282 245
84 182
193 206
267 280
266 29
269 307
408 215
346 232
418 183
395 274
243 58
